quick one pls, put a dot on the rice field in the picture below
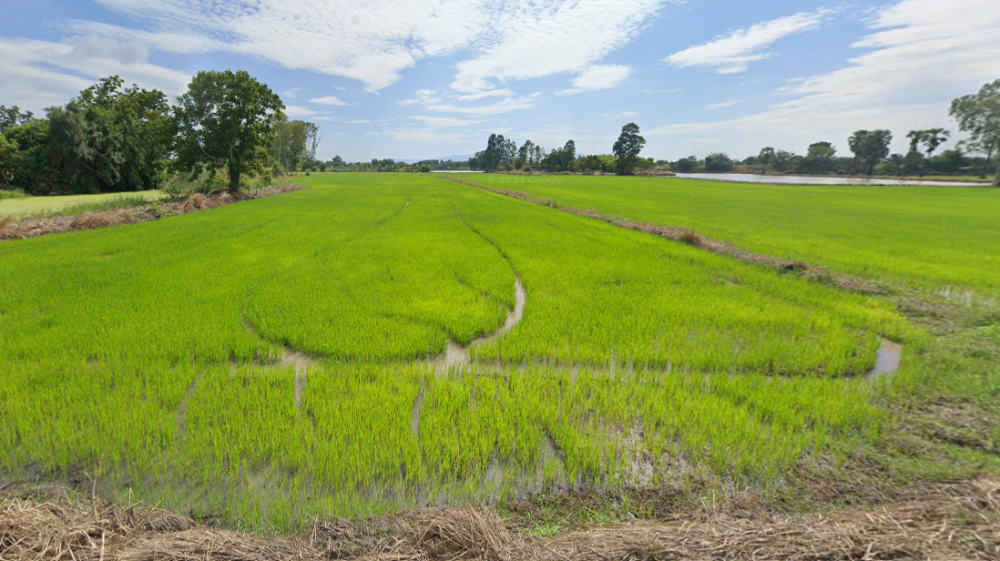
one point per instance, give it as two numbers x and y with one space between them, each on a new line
328 352
939 239
24 206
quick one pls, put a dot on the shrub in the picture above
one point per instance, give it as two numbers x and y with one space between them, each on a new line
8 194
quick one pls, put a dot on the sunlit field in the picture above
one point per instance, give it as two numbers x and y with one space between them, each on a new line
40 206
932 238
344 350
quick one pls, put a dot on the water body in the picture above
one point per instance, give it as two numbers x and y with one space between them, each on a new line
821 180
887 359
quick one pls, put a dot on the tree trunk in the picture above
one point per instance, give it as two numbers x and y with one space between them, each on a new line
234 179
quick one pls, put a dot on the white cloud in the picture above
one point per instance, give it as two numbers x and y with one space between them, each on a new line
504 106
724 104
602 77
624 115
919 55
533 39
373 133
598 77
290 94
299 111
359 122
327 100
39 74
375 41
445 121
503 92
733 53
425 97
427 136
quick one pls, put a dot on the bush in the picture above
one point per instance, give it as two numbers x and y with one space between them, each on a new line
11 194
184 185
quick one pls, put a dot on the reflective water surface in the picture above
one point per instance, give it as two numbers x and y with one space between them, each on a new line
820 180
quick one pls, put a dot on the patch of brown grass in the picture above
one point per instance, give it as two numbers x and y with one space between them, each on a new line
8 228
942 521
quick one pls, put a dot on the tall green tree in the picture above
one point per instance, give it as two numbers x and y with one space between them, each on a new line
978 116
765 158
930 139
870 148
24 161
627 148
290 144
819 158
226 121
111 138
719 162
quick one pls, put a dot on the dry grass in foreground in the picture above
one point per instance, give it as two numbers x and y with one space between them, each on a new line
12 229
943 521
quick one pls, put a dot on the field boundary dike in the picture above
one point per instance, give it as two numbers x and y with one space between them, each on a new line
938 521
13 229
690 237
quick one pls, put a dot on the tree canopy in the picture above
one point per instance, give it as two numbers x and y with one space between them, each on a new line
226 121
627 148
870 147
978 115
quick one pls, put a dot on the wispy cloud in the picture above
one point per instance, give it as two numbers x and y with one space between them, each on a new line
919 55
503 92
328 100
424 96
299 111
624 115
555 36
445 121
733 53
39 74
598 77
504 106
513 40
724 104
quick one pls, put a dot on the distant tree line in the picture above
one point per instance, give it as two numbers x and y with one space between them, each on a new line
337 164
503 154
977 115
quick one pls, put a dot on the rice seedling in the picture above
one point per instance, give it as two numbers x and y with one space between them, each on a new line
149 356
933 238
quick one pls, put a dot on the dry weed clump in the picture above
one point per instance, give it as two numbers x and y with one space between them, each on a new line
8 230
93 220
943 521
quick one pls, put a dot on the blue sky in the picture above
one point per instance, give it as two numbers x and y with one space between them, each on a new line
411 79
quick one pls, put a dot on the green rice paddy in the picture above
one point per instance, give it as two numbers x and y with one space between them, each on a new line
942 239
42 206
284 358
